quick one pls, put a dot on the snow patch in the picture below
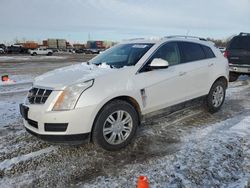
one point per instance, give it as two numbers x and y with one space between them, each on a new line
12 58
14 91
18 80
17 87
7 163
212 158
9 82
75 74
26 58
236 89
104 65
243 127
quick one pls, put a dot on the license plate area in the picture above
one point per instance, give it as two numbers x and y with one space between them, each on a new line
24 111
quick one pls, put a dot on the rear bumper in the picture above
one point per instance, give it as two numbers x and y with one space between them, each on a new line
242 69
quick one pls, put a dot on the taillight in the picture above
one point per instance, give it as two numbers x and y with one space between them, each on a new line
226 54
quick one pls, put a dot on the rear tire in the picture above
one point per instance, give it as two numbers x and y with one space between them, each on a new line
115 125
49 54
34 54
233 76
216 96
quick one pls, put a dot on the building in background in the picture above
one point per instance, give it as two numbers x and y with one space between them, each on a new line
78 46
93 44
68 45
28 45
97 44
108 44
52 43
61 44
56 43
45 43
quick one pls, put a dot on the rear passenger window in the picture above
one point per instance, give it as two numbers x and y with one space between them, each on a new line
209 53
191 52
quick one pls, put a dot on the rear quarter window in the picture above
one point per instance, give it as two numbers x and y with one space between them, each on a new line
191 52
240 43
208 52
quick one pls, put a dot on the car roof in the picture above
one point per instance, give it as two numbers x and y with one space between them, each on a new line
170 38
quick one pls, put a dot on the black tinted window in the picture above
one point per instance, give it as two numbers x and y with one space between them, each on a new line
191 52
240 43
168 52
209 53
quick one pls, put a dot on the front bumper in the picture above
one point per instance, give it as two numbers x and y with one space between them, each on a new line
58 126
75 138
243 69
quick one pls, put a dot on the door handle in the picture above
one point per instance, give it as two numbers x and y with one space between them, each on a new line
182 73
210 64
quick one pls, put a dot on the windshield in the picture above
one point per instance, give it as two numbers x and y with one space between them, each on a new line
122 55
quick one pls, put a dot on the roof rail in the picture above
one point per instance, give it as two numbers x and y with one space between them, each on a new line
185 36
134 39
244 34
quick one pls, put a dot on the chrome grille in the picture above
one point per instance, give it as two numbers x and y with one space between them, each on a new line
38 95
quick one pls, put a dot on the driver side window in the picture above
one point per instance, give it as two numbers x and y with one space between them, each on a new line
168 52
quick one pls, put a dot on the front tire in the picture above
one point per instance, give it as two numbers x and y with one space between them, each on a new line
216 96
115 125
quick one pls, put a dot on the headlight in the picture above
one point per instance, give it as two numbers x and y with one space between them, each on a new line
68 98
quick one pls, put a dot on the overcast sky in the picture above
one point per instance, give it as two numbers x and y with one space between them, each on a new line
80 20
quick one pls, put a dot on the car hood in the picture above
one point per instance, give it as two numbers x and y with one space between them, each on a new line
60 78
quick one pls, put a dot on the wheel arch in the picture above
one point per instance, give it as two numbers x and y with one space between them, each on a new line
125 98
223 79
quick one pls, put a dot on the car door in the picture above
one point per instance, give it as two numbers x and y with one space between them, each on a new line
39 51
44 51
161 88
195 66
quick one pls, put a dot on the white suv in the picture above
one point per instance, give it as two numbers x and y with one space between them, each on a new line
104 99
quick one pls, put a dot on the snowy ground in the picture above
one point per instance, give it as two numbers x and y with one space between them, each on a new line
28 57
189 148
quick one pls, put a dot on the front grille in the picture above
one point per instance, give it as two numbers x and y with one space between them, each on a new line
38 95
55 127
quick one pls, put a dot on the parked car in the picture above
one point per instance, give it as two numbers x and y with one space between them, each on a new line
238 55
105 99
79 51
222 49
2 51
41 51
3 46
94 51
54 50
71 50
16 49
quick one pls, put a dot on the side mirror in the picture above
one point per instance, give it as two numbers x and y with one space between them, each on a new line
158 63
